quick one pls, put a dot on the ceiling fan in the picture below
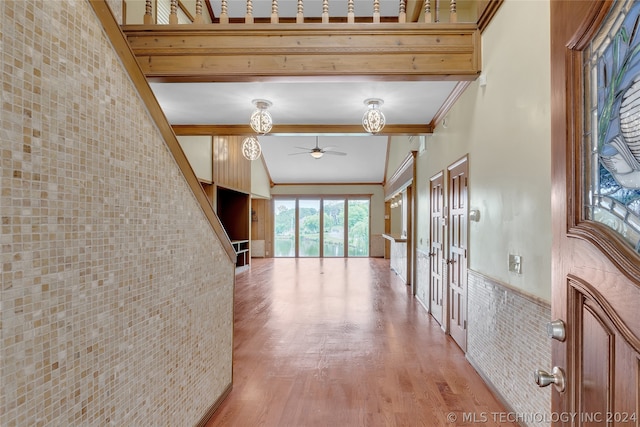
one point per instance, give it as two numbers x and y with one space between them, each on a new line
317 152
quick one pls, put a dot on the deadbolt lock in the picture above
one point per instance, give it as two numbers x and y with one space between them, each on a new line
556 330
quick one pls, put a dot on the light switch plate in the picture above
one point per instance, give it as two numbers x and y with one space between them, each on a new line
515 264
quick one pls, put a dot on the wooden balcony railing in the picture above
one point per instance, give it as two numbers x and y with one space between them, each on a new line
270 11
271 39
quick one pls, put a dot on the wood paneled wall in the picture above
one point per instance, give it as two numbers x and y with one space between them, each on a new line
233 210
230 168
262 223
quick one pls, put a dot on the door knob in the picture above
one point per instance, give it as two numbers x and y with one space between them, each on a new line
556 377
556 330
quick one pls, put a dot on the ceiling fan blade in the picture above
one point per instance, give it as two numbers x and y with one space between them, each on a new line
330 148
304 148
335 153
293 154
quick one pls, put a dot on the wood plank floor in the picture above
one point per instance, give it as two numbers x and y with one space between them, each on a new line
341 343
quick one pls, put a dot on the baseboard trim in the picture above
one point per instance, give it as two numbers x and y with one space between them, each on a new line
491 387
207 416
422 304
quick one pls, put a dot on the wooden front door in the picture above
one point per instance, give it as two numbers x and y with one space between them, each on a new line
595 266
457 262
436 249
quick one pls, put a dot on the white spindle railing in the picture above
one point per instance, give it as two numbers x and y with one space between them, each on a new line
351 14
453 12
224 16
300 12
248 18
428 8
198 19
173 16
376 11
325 11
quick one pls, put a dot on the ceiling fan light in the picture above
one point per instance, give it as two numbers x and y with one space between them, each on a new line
261 121
316 154
251 149
373 120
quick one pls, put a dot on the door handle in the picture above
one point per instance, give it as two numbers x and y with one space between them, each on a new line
451 261
556 377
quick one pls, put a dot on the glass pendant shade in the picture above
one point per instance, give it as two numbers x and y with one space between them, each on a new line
261 121
373 120
251 149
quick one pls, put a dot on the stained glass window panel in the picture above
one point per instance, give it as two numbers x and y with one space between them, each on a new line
612 124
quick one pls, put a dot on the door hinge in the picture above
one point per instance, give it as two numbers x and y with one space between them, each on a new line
465 324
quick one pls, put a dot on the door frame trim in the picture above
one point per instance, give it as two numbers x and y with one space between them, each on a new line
439 175
462 160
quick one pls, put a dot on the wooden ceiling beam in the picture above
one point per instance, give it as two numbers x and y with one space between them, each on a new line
264 52
315 129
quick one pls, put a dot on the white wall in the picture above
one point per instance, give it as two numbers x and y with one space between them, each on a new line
135 11
505 129
260 183
199 152
399 147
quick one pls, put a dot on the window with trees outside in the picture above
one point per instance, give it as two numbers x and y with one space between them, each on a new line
328 226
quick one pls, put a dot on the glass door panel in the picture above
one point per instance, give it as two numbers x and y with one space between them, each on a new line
309 228
358 229
333 229
284 227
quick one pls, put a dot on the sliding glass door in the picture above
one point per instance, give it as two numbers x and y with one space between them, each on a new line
358 231
322 226
309 228
333 235
284 216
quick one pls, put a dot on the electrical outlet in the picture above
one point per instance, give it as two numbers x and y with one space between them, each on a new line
515 264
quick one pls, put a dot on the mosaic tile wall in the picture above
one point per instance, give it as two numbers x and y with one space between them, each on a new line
422 277
116 297
506 342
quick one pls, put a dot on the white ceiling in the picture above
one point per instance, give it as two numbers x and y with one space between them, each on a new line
300 103
309 103
364 162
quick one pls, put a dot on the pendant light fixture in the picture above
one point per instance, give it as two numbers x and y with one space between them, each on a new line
373 119
251 149
261 121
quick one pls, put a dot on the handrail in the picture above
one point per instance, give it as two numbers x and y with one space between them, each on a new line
429 10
